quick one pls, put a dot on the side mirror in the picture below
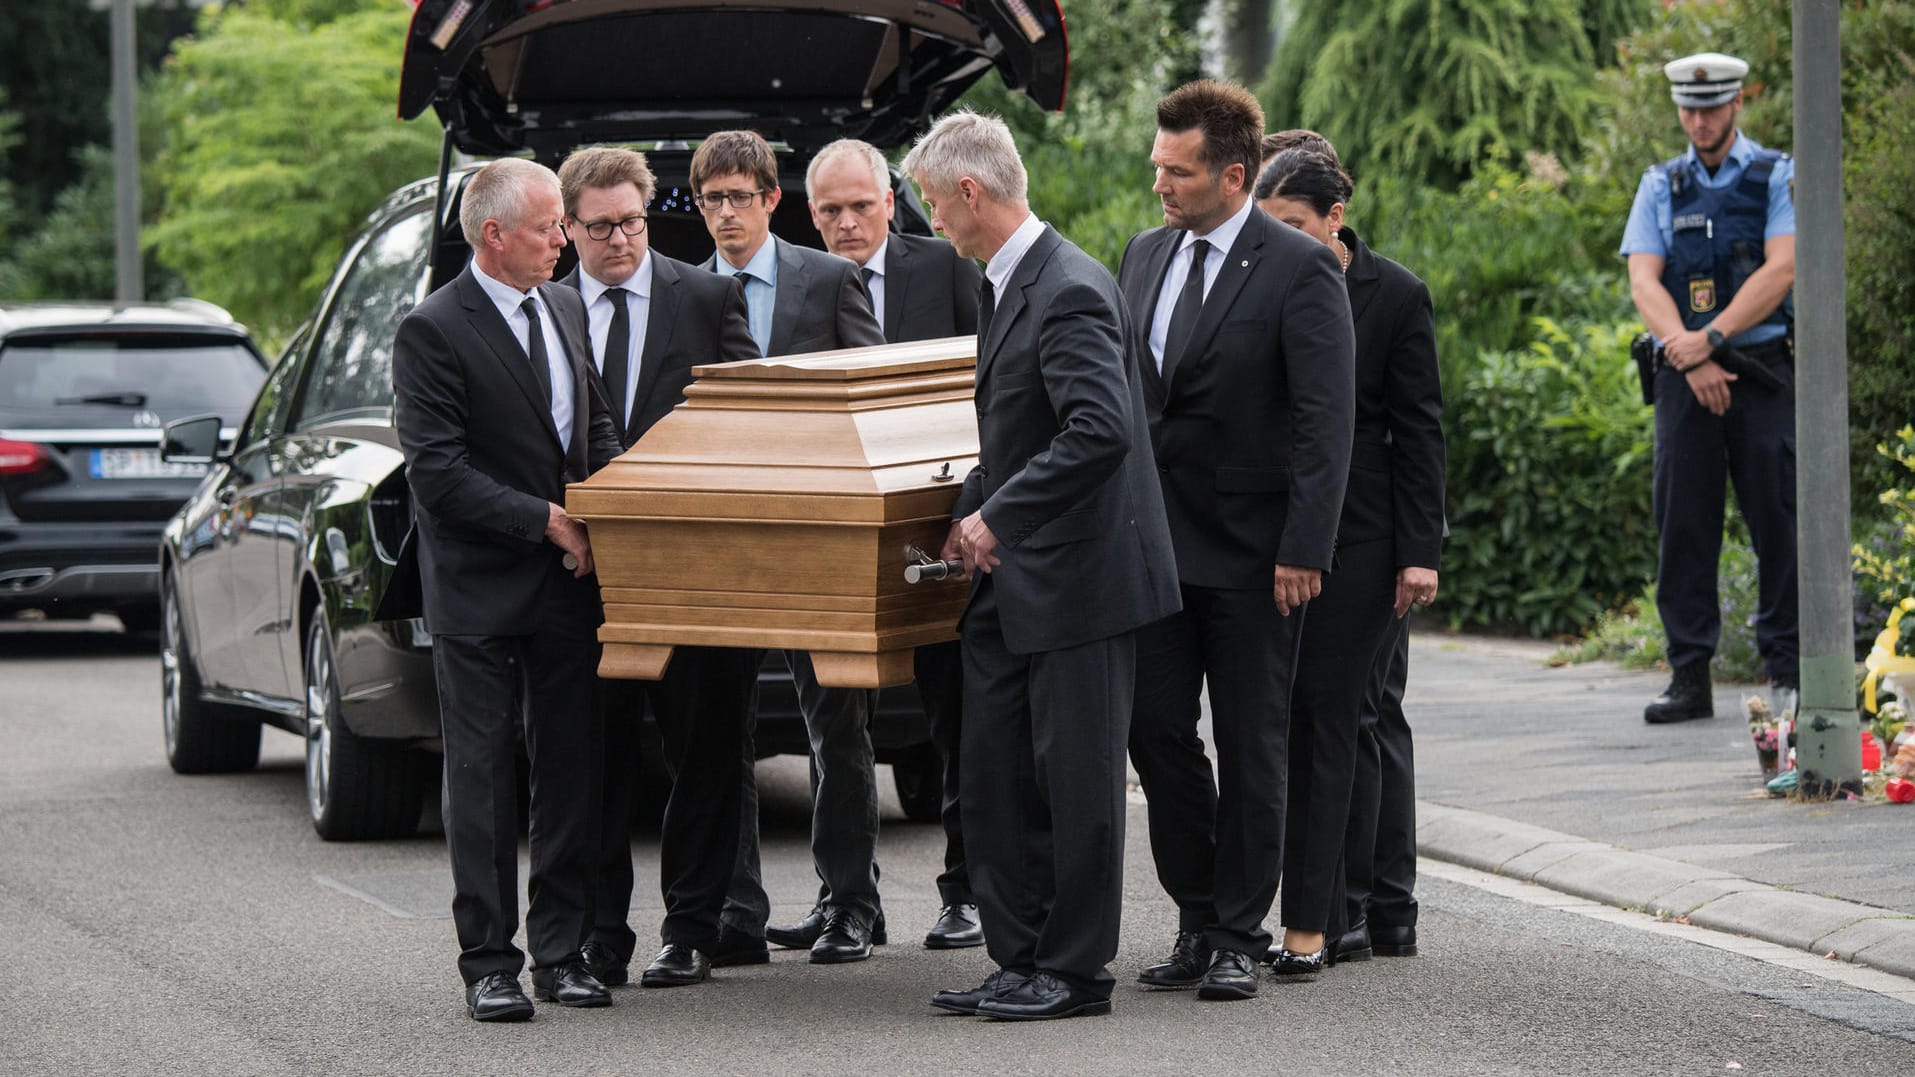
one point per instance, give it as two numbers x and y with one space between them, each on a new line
191 441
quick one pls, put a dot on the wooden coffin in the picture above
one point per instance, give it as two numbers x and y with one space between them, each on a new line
774 506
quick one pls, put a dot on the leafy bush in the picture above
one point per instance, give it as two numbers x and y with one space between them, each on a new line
1885 559
1633 636
1549 483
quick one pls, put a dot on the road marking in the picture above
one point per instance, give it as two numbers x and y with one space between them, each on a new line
1860 977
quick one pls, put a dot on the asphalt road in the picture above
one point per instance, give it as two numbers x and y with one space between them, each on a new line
162 924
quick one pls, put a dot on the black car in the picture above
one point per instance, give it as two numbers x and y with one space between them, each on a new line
270 574
84 391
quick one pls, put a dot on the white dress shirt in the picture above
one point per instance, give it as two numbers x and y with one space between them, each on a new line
1004 263
875 285
509 300
1221 239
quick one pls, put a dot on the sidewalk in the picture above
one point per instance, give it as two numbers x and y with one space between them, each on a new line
1551 775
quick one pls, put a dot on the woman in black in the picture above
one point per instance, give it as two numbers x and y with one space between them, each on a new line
1388 541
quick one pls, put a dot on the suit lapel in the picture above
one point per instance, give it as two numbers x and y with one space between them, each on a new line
1145 286
1239 262
568 316
794 283
1362 278
897 282
498 336
659 320
1011 303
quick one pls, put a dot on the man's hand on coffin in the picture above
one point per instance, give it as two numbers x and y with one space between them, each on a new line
568 534
976 544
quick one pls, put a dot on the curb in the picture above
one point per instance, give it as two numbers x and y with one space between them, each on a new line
1864 934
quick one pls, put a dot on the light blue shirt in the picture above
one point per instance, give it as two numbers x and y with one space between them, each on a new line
761 289
638 308
510 301
1651 228
1221 239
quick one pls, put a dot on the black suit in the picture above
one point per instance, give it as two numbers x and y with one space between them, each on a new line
1350 747
930 291
514 633
1064 483
703 701
819 305
1251 426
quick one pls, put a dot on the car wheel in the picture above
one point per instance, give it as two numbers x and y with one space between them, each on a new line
356 788
919 776
198 741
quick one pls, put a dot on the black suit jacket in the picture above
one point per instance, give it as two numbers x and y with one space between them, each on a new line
930 291
695 318
1252 423
1396 466
1064 476
821 304
483 460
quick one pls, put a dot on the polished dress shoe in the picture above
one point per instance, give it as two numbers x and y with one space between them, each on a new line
1231 976
605 966
1393 941
1185 966
996 985
676 966
957 927
1352 945
801 935
570 984
497 997
845 939
1289 965
737 948
1043 997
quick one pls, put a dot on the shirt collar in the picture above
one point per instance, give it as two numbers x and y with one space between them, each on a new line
1224 236
875 263
507 297
1002 264
639 283
763 265
1740 151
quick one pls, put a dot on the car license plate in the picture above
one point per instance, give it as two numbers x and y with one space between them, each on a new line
140 464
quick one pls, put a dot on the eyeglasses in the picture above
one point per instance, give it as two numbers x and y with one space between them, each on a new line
602 230
713 201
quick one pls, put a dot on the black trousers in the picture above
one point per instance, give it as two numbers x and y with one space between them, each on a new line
1380 854
1752 445
1217 841
492 691
844 805
940 676
1043 796
701 706
1347 622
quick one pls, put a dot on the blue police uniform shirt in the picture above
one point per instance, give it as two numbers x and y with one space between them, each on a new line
1651 227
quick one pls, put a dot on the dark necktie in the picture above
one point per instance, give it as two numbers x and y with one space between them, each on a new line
535 348
865 275
1190 303
986 306
618 348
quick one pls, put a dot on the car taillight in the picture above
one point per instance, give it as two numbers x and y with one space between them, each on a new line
22 457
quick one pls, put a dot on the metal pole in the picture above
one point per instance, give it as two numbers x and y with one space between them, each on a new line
126 162
1828 749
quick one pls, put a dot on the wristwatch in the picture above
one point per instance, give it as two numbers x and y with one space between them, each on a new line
1715 336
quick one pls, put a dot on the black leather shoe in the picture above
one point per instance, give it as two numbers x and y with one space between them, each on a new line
497 997
801 935
845 939
1231 976
1043 997
957 928
1352 945
1289 965
676 966
570 984
996 985
1688 696
1185 966
737 948
605 966
1393 941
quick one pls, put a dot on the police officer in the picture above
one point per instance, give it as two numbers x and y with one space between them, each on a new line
1711 250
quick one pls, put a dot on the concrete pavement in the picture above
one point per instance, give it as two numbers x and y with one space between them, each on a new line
1550 775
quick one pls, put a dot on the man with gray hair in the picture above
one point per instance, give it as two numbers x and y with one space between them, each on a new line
920 290
1061 525
495 417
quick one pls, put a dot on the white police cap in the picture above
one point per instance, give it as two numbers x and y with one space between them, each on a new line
1705 80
